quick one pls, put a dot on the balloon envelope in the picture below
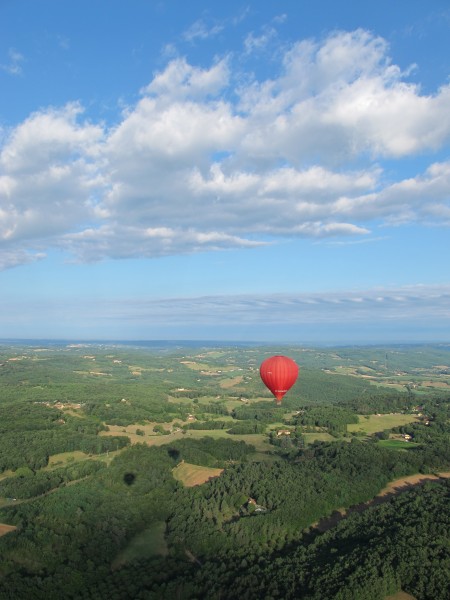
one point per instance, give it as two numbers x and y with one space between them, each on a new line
279 373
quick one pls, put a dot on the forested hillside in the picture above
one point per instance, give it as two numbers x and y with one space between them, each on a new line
92 438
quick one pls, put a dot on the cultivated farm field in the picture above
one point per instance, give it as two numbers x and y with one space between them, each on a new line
191 475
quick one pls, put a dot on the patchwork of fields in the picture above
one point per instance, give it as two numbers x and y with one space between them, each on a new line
159 466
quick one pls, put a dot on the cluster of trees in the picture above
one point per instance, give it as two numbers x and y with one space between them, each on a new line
30 433
370 555
89 524
33 448
247 426
68 540
259 412
334 418
380 402
316 386
212 548
237 427
205 425
433 433
287 443
210 452
28 484
296 492
215 408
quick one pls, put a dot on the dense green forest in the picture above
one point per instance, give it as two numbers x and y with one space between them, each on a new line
91 436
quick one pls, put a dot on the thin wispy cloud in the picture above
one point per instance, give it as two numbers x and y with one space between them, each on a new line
200 30
12 258
381 304
257 42
14 62
388 309
63 42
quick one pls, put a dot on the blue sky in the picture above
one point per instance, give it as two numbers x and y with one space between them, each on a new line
273 171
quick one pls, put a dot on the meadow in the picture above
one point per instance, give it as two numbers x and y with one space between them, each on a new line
191 475
370 424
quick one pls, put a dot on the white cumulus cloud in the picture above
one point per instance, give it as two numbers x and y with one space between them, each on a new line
210 159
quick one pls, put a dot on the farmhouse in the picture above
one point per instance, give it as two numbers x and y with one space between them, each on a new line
281 432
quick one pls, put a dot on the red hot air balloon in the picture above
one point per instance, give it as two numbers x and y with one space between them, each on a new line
279 374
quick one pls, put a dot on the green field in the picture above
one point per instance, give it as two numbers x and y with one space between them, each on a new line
392 385
146 544
67 458
370 424
397 444
5 474
191 475
264 457
188 401
318 437
64 458
259 440
235 402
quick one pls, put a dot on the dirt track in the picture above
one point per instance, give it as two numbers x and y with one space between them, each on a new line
394 487
4 529
406 482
